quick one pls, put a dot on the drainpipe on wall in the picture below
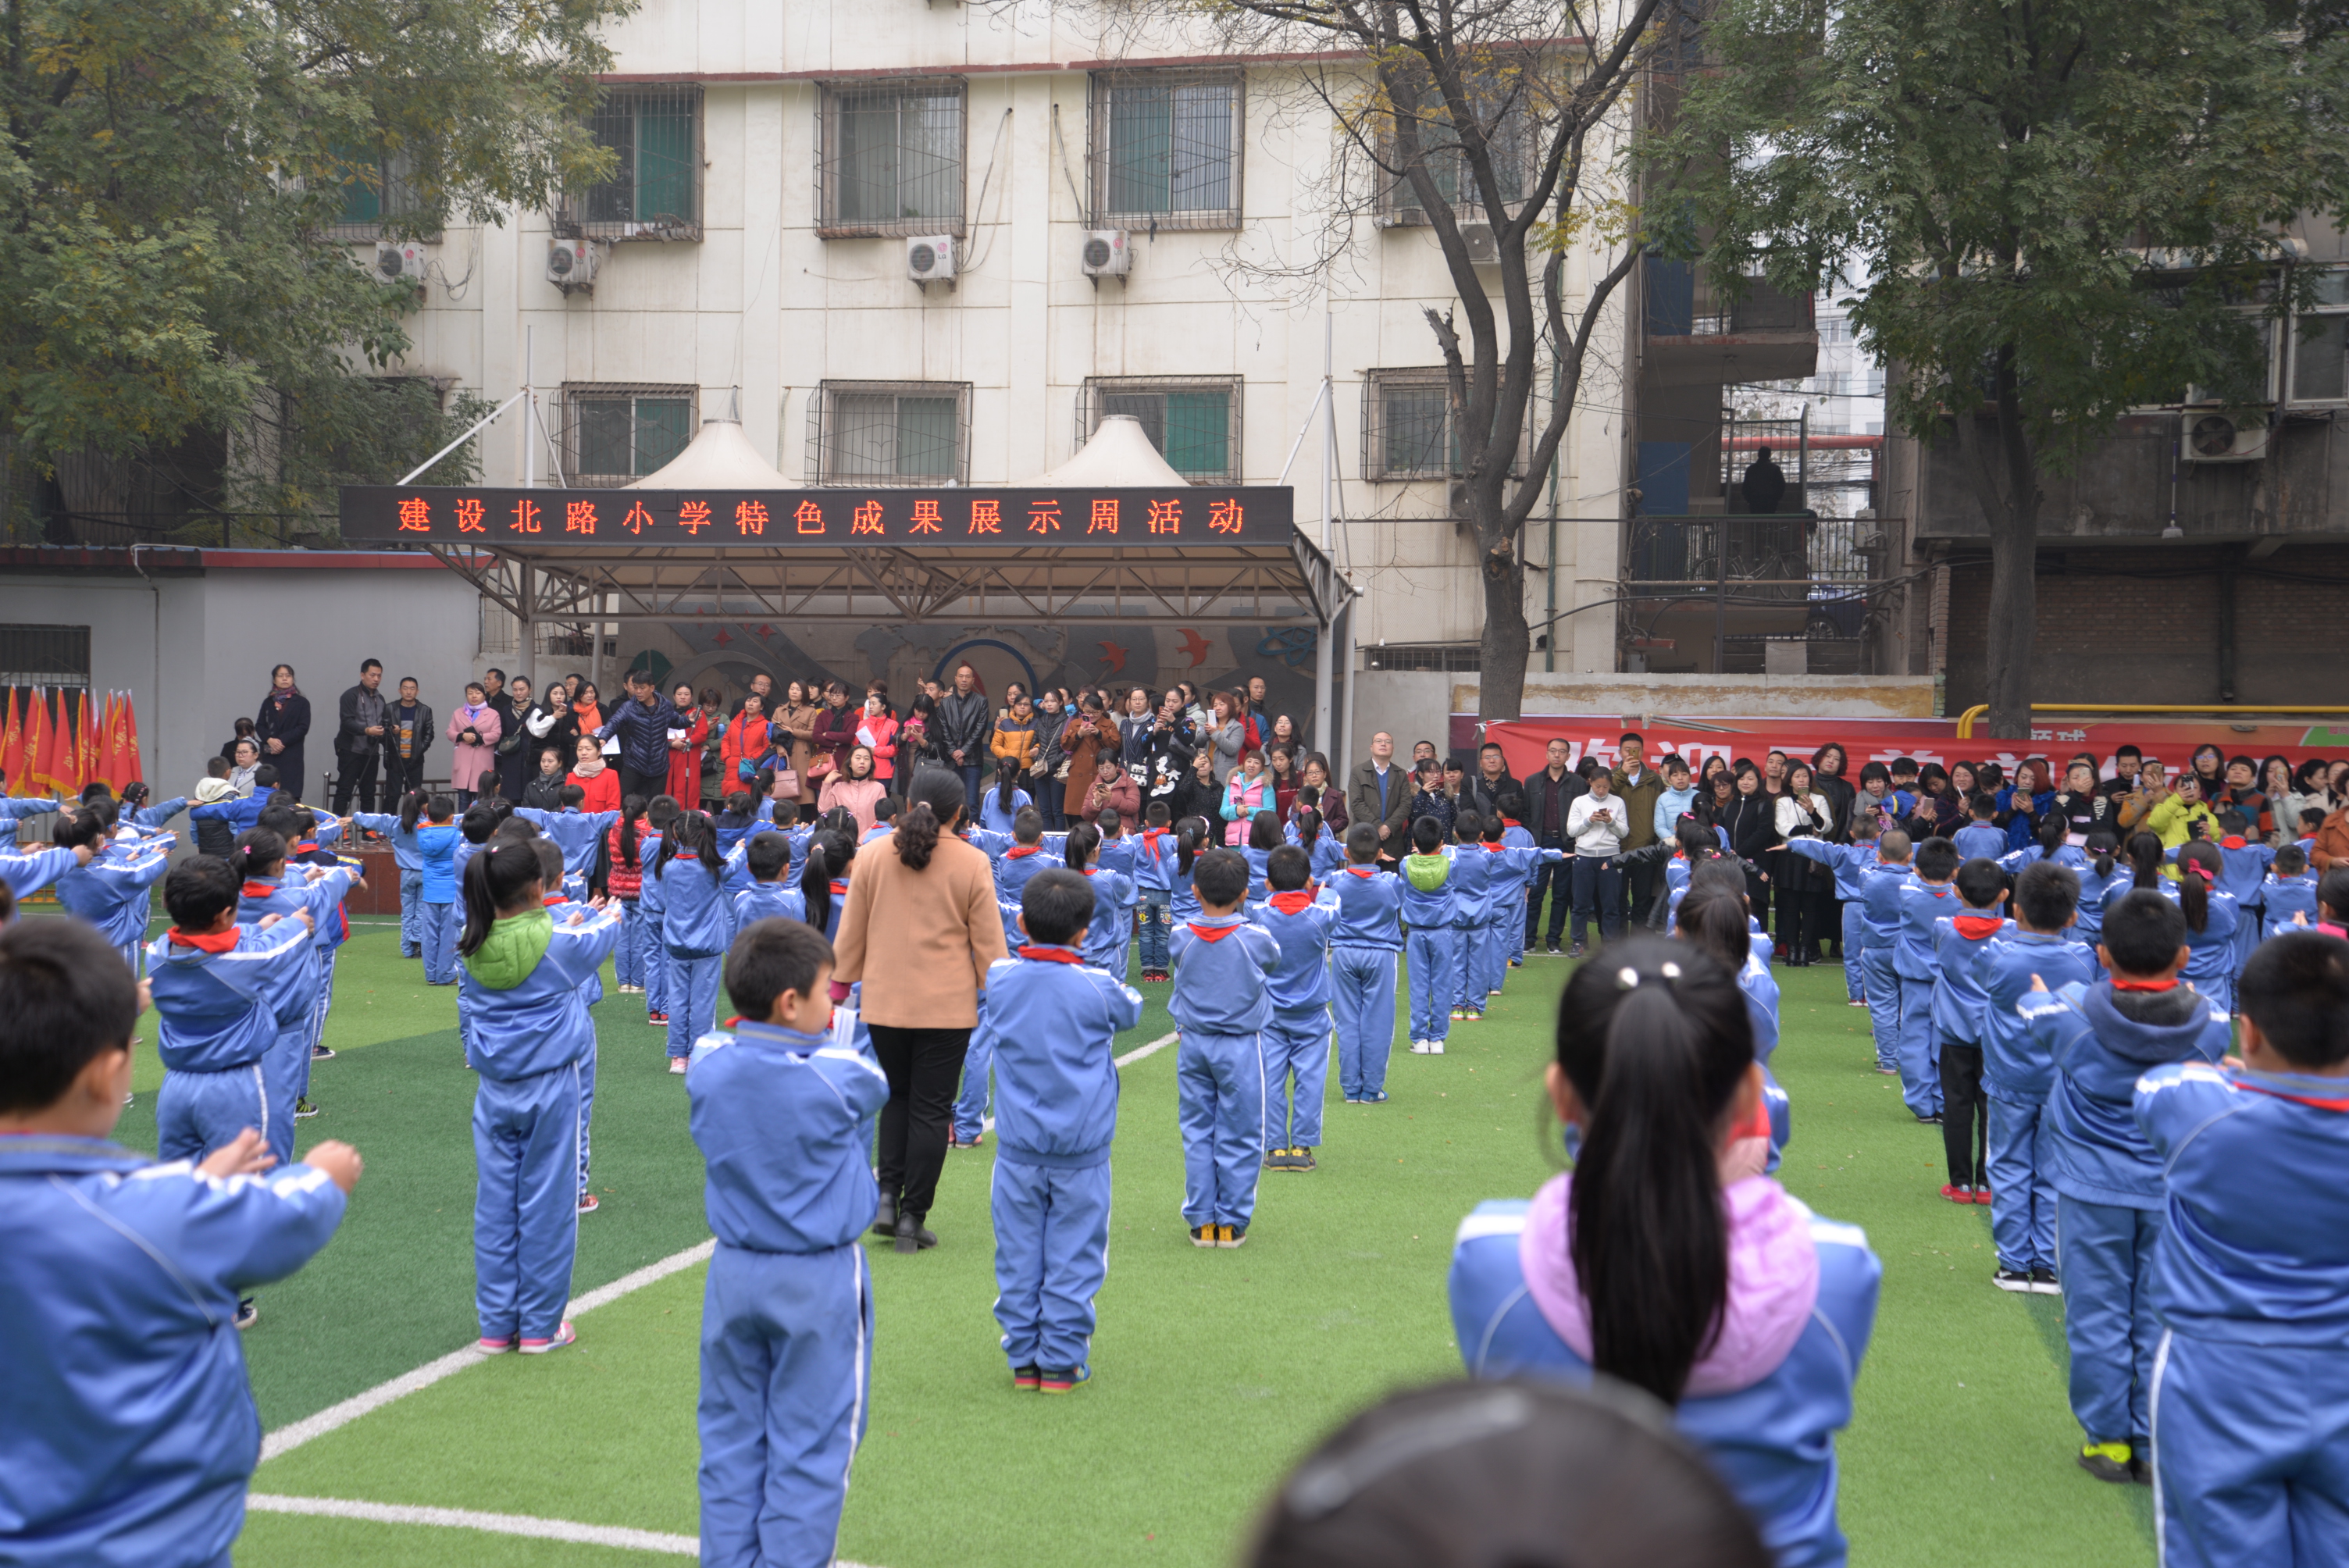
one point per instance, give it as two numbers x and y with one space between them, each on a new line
1557 462
157 689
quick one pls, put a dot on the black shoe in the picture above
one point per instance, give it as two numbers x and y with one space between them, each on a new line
247 1315
2141 1461
1933 1121
2043 1283
2015 1280
1553 951
912 1237
322 1053
885 1218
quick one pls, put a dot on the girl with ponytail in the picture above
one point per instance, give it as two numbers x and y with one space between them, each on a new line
523 993
2101 872
1192 837
619 875
2212 917
1664 1258
258 861
691 878
823 879
401 828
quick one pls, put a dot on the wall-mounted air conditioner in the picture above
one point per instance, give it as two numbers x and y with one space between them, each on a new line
572 264
930 259
1106 255
2223 435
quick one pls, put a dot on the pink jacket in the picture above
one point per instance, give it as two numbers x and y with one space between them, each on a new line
467 764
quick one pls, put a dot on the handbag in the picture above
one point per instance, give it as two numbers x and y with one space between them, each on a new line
788 781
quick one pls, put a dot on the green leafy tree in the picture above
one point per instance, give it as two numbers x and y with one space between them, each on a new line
170 179
2061 210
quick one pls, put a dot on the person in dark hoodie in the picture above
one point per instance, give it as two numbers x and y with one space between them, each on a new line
2109 1195
643 724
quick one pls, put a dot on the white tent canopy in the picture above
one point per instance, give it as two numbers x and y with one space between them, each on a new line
720 458
1118 457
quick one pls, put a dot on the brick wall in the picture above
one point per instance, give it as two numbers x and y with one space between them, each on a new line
2143 625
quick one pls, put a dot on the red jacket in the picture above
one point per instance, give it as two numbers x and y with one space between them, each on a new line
685 766
603 791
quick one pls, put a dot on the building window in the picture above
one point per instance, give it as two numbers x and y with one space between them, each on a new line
890 433
1456 658
1511 137
889 159
653 192
617 435
1408 430
379 195
2320 344
1165 150
1193 420
45 656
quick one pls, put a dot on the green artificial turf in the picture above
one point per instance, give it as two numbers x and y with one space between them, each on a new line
1214 1370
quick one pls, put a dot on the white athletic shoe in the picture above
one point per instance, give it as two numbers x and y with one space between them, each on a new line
1435 1047
677 1067
1418 1047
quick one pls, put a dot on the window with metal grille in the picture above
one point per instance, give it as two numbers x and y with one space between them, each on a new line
378 191
1511 137
1165 150
889 433
2320 344
1193 420
44 655
614 435
889 159
1408 430
654 192
1464 658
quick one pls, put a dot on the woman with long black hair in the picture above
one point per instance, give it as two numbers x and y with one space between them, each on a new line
1665 1259
280 727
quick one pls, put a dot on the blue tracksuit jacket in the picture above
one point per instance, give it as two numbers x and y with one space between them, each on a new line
2280 898
239 811
2211 952
1980 840
128 1436
111 892
1106 937
15 812
1220 964
32 872
1054 1025
1916 954
1370 909
1019 863
295 990
1958 995
1850 863
692 908
1436 911
1153 860
782 1119
1472 874
1772 1441
542 1024
436 856
575 833
404 852
1299 981
2100 1054
214 1025
769 901
2016 1066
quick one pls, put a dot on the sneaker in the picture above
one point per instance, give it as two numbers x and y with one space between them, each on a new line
631 990
2044 1283
1574 951
2141 1461
1458 1014
2017 1281
1516 964
304 1110
1957 1194
676 1066
657 1020
1933 1121
564 1335
322 1053
1856 1002
1553 951
1887 1072
1230 1236
1418 1047
1434 1048
1981 1195
1376 1096
589 1202
489 1346
1302 1159
1203 1235
2109 1462
1060 1380
247 1314
1474 1015
1026 1377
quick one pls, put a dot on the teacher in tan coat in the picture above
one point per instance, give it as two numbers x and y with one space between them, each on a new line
919 931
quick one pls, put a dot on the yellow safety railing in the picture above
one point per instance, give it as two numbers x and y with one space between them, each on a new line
1966 719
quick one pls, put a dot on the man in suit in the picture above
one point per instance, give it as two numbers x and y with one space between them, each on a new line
359 739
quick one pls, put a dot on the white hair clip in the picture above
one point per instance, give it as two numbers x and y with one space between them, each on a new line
1626 978
1672 970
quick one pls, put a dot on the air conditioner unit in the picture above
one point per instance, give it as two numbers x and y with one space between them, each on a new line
403 263
1106 255
2223 436
1484 251
572 263
930 259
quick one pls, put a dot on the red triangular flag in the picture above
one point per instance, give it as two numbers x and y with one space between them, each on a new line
12 743
85 743
40 746
131 738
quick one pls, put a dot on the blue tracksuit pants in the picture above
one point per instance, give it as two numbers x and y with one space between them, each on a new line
661 973
1051 1254
628 958
2251 1446
2108 1317
786 1365
586 1111
411 914
527 1204
196 1113
1219 1089
1361 1001
442 929
325 1001
1150 916
971 1106
285 1070
1492 940
1469 989
1882 988
2021 1154
1296 1047
1434 953
1920 1048
693 999
1854 925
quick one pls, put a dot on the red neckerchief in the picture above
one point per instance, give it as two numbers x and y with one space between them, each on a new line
1089 871
1020 850
1150 837
1511 822
1493 849
1210 933
310 848
1052 954
2232 841
257 890
1361 871
207 940
555 898
1296 901
839 889
1974 927
2121 985
2307 1099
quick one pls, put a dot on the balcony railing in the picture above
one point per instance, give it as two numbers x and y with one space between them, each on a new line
1685 300
1720 587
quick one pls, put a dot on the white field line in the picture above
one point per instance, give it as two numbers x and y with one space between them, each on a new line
289 1437
494 1523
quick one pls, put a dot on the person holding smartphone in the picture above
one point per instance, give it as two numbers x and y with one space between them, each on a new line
1596 822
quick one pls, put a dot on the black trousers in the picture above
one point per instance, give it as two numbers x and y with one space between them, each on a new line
648 785
1644 878
1794 925
400 774
925 1071
354 772
1965 1115
1557 877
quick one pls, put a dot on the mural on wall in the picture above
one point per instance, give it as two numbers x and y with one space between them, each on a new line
726 655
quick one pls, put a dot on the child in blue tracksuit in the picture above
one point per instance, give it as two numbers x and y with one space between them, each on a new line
1221 1003
1851 865
575 833
2288 891
1297 1039
111 890
1325 857
11 812
1431 950
767 857
2212 919
690 877
1980 837
1015 866
1472 917
2109 1195
400 831
1105 940
1881 895
660 816
2249 1409
1763 1402
1363 946
32 872
270 887
1054 1018
2104 872
334 926
559 908
1510 867
1153 863
126 1413
1924 900
2016 1073
782 1111
436 890
1961 940
524 974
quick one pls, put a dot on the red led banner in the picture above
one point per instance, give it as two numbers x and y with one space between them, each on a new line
1195 515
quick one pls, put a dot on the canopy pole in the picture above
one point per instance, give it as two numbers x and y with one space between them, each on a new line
529 456
1327 632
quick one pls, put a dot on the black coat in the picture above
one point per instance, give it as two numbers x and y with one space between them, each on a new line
1539 788
289 726
351 739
